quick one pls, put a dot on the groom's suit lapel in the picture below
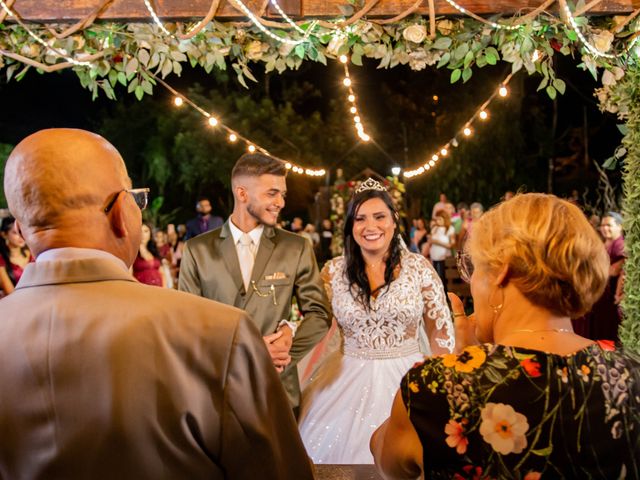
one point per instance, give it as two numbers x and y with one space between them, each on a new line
267 244
230 258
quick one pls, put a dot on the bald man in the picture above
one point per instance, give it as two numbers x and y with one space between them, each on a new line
103 377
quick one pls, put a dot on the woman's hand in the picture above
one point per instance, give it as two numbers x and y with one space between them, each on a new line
464 326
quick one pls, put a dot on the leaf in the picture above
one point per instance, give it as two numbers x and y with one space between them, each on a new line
147 87
468 58
177 68
455 75
544 452
132 66
122 78
143 57
356 59
178 56
551 92
623 129
610 163
571 35
543 84
442 43
299 50
466 74
167 67
132 85
444 60
139 92
559 85
491 59
461 51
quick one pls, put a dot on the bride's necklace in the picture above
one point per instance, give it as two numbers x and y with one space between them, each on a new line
374 265
527 330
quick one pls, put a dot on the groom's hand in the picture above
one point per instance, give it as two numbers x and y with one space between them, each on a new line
278 345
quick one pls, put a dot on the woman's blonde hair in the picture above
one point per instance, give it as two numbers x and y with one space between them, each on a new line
554 256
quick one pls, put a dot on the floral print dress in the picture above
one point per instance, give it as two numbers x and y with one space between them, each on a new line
505 412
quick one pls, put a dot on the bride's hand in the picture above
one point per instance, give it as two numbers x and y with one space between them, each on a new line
464 326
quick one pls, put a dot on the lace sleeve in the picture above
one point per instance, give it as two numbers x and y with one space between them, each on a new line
437 316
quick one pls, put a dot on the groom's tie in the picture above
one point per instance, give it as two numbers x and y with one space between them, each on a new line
245 256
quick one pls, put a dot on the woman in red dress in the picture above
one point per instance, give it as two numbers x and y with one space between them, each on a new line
14 255
146 267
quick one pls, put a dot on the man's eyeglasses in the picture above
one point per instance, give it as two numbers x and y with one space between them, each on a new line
465 266
140 196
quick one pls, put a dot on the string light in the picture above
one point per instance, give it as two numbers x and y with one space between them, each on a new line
353 110
155 18
351 98
232 135
574 26
466 131
503 92
343 59
55 51
266 31
346 82
536 56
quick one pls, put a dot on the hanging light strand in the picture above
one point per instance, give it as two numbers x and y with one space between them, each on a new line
288 20
574 25
352 100
156 19
465 132
232 135
265 30
498 26
53 50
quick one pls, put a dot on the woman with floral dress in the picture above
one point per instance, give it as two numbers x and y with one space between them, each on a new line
535 400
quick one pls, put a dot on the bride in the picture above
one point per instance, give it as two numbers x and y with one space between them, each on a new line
382 296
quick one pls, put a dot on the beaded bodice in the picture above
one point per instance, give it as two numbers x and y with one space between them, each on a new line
393 321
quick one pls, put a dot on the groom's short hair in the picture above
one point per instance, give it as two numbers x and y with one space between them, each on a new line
257 164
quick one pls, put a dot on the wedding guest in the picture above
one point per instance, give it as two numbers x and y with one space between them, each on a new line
420 236
326 237
534 400
14 253
205 221
110 378
441 241
385 299
146 267
441 204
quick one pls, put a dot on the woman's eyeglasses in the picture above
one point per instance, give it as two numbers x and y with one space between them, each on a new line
465 266
140 196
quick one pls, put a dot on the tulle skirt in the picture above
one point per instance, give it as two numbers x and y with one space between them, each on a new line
345 402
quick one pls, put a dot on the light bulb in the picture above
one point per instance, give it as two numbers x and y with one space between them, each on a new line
467 131
353 109
343 59
434 157
483 115
351 98
288 166
443 152
251 148
431 163
503 91
356 119
178 101
347 82
213 121
365 137
233 137
435 98
396 171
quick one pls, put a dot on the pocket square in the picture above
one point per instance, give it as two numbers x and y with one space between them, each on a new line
276 276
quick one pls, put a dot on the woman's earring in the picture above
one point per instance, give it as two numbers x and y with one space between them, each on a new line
497 308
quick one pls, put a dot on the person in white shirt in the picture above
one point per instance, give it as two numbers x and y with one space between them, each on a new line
442 240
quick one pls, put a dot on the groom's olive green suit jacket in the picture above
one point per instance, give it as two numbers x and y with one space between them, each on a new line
284 266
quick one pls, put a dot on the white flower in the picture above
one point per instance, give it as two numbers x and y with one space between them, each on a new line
254 49
415 33
335 44
603 40
445 27
503 428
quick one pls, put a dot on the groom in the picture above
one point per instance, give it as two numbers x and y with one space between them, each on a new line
252 265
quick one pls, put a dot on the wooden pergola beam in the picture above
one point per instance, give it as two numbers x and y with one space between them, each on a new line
64 11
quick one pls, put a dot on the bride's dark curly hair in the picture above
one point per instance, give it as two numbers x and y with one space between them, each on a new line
355 271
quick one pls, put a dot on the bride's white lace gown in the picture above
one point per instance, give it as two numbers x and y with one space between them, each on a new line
352 392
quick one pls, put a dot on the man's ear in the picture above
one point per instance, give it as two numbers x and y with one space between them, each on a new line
240 193
117 218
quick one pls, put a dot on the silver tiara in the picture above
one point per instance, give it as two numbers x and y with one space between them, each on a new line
370 184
